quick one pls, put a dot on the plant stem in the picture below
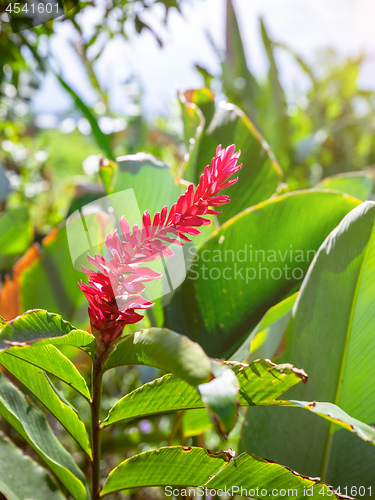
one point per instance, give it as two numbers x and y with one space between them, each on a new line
96 381
176 426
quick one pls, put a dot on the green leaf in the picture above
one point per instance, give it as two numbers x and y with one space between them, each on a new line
357 184
196 422
188 466
239 83
165 350
260 256
336 415
263 479
333 414
101 138
42 327
16 235
174 465
151 179
220 398
281 126
331 336
175 353
264 341
260 174
34 480
39 384
260 384
205 74
31 424
50 359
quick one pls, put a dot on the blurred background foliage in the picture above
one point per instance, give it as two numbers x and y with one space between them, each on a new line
328 130
46 173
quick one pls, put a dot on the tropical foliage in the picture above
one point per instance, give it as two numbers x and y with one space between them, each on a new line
221 334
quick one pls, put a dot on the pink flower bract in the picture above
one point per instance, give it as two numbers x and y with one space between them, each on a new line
115 290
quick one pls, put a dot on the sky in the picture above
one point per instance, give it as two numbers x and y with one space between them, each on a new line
307 26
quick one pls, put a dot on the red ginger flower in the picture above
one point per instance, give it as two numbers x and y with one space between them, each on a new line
114 291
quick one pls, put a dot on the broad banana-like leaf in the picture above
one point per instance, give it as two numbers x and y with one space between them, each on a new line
331 335
260 257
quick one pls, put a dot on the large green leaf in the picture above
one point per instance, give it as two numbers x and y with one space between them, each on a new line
188 466
357 184
261 478
260 174
16 235
166 350
260 256
260 384
41 327
31 424
50 359
39 384
174 465
21 477
264 341
331 335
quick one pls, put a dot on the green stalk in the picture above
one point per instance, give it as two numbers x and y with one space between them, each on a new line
96 384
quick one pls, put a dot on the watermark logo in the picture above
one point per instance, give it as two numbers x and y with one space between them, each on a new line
27 14
249 264
88 227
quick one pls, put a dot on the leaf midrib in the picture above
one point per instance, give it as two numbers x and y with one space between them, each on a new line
343 361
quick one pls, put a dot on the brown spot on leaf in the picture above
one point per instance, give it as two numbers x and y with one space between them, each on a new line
308 478
269 362
187 448
226 455
343 497
300 373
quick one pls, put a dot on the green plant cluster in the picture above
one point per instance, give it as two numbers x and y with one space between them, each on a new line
278 300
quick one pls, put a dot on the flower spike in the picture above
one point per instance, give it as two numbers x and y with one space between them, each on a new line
115 290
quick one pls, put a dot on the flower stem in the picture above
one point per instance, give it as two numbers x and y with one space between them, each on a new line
96 381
